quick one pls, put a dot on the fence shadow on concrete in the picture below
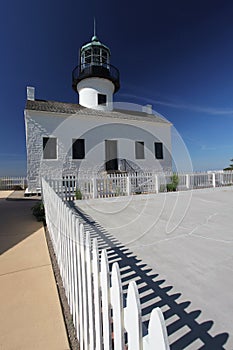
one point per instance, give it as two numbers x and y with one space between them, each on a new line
182 325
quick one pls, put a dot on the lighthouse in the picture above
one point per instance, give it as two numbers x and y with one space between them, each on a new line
90 136
95 79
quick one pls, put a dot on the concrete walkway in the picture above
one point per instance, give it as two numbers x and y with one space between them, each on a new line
186 238
30 311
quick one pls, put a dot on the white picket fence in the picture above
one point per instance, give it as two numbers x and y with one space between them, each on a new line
94 294
10 183
112 185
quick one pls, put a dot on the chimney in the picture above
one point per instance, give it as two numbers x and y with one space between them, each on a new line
147 109
30 93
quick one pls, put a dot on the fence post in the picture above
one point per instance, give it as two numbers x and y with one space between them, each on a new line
156 184
97 303
80 331
133 319
94 187
84 287
117 307
221 179
157 332
90 303
105 291
128 185
187 180
213 180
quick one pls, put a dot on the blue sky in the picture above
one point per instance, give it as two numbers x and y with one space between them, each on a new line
174 54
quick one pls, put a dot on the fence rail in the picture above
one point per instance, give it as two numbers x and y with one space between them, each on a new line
112 185
12 183
95 295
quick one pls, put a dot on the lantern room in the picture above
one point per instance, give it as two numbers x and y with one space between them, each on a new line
95 79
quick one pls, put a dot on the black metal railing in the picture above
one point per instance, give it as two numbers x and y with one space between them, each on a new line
128 167
101 70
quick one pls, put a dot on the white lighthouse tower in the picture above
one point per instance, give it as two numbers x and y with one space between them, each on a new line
95 79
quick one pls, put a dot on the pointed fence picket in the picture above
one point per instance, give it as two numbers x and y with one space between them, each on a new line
117 307
105 288
157 333
95 295
97 298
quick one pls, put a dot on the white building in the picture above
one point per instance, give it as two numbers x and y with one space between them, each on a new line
64 138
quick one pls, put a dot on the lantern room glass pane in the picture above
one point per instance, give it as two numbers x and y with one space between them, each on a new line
104 57
96 55
96 51
87 56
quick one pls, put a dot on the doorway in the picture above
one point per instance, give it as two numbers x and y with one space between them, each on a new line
111 163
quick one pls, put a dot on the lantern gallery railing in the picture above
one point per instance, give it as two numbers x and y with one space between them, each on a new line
94 69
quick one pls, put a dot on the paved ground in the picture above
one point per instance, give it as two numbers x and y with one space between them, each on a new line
30 312
187 238
5 194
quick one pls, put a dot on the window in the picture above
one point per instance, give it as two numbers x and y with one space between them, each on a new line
102 99
49 148
111 155
104 56
139 150
158 150
78 149
96 55
87 56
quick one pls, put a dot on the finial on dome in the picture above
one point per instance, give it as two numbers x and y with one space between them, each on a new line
94 38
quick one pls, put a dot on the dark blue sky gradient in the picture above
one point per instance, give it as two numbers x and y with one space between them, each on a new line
175 54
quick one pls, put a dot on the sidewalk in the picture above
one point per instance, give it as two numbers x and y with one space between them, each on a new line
30 311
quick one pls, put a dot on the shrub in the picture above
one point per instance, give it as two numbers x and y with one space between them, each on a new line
171 187
17 188
78 194
174 183
175 180
118 192
38 211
